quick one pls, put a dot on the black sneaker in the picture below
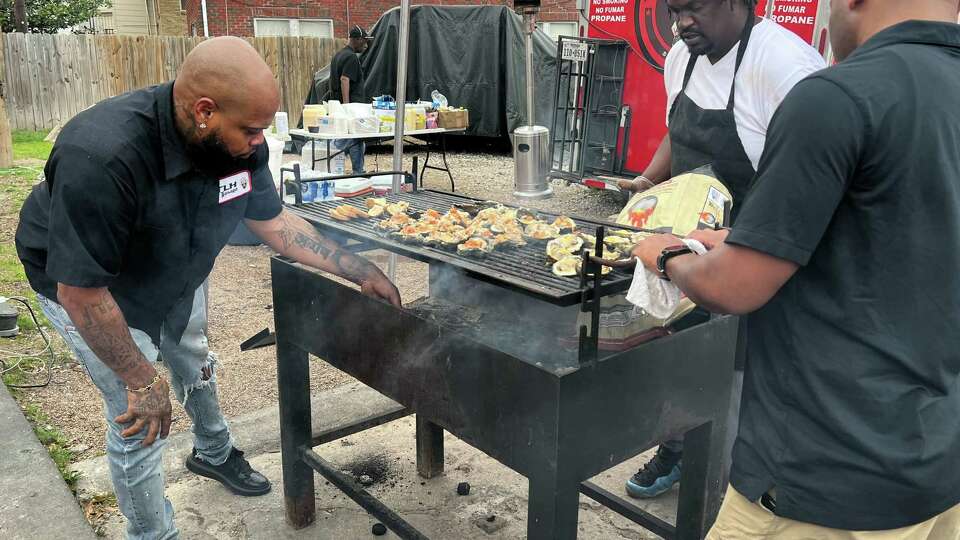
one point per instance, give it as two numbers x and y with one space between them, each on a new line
657 476
235 474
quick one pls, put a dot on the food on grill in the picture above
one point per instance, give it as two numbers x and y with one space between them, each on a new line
474 247
604 270
508 241
570 242
567 267
425 227
352 212
459 217
401 219
572 266
618 242
475 208
335 214
490 215
376 210
387 226
556 252
608 254
345 212
398 208
635 238
373 202
564 246
443 240
541 232
432 214
565 224
506 225
409 235
527 216
624 233
589 240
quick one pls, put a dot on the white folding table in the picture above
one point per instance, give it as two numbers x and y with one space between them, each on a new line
328 137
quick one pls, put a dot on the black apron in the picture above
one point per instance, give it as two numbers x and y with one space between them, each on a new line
701 137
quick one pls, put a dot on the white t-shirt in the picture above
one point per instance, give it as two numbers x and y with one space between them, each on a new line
775 60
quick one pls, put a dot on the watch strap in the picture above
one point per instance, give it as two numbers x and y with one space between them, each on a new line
667 254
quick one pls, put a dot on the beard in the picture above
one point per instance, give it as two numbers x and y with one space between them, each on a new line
211 155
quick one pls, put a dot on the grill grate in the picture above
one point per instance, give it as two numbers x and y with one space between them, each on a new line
524 268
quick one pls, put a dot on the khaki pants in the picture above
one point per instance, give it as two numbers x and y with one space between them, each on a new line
741 519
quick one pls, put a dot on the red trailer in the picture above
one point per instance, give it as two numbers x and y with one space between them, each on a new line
646 28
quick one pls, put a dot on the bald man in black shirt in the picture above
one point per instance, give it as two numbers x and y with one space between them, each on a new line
142 191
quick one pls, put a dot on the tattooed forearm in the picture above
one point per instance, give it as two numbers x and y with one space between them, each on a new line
292 236
351 267
304 241
100 322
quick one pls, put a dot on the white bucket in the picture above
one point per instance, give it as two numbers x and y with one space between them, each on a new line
282 123
276 158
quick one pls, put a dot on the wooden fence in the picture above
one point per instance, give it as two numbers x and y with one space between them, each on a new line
49 78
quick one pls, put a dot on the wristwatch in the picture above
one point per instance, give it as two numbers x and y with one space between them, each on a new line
666 255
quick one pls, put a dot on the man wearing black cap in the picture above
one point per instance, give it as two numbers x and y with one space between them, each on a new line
347 86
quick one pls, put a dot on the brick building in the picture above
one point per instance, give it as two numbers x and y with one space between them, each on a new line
333 18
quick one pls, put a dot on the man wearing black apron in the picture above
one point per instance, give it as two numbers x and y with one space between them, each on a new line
728 136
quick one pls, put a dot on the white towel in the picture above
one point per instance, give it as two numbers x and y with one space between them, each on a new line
656 296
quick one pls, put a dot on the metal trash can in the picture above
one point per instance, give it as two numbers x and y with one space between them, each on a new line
531 161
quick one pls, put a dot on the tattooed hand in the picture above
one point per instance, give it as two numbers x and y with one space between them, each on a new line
381 288
292 236
150 411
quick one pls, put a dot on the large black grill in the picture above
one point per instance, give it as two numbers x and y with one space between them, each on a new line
525 269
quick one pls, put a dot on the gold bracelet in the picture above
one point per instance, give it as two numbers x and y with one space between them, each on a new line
146 388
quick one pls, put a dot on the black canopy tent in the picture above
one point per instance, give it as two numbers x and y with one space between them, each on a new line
473 55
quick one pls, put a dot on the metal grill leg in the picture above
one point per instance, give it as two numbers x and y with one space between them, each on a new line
553 507
429 448
293 386
699 498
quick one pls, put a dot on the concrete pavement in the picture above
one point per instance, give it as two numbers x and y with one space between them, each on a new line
32 492
386 454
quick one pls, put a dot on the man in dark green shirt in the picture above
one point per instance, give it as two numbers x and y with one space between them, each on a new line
845 257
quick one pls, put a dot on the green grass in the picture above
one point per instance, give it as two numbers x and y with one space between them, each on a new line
29 148
11 271
30 145
55 442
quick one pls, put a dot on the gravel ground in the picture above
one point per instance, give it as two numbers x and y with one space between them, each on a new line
241 300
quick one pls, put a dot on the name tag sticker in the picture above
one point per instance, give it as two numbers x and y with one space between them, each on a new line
235 185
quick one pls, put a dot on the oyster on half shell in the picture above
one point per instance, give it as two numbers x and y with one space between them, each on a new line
566 267
474 247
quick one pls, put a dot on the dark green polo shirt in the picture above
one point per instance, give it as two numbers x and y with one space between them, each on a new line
851 400
124 207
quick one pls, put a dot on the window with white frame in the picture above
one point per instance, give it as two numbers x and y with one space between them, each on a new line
557 29
322 28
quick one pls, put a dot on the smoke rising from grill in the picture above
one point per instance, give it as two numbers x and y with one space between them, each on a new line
508 321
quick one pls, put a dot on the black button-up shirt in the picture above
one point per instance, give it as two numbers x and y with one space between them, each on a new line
124 207
851 400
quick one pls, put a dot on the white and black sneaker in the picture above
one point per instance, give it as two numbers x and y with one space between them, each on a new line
235 474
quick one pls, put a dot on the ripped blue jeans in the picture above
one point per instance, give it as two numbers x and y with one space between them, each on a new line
137 472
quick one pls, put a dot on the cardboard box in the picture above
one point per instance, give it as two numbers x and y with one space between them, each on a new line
454 119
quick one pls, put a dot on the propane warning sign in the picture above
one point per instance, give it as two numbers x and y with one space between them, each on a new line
609 11
800 16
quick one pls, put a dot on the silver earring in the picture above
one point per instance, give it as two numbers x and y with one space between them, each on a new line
203 126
